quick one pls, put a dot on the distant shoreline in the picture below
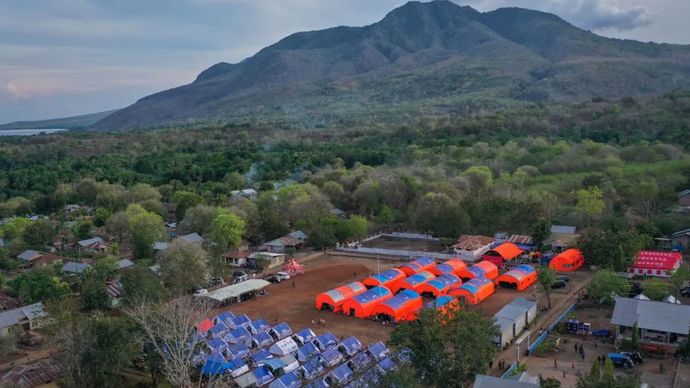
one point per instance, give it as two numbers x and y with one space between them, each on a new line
29 132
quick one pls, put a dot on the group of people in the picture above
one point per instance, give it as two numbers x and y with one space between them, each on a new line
580 350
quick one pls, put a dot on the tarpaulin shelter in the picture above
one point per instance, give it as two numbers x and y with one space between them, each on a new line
451 266
293 268
262 339
214 365
362 305
326 340
307 351
284 346
240 321
483 269
475 290
419 265
281 331
350 345
218 330
261 355
656 263
389 278
386 365
568 260
333 300
401 307
237 351
360 361
217 344
225 317
259 325
288 380
379 350
502 253
262 375
519 278
305 335
239 335
440 285
415 281
342 374
204 326
313 368
237 367
332 356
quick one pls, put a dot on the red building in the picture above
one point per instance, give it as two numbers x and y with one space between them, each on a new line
656 263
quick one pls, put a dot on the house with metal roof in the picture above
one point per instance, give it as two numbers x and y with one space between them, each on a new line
25 316
471 247
657 322
237 292
91 245
124 264
72 267
484 381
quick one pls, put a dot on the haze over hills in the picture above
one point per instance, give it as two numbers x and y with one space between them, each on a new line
426 59
73 122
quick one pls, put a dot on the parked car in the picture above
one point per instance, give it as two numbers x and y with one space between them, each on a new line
274 279
601 333
283 275
240 276
564 278
636 357
558 284
685 291
621 360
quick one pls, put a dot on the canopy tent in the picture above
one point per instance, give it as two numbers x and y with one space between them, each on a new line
417 280
642 297
362 305
342 374
260 355
258 326
305 335
326 340
451 266
350 345
379 350
333 299
262 339
502 253
568 260
217 344
284 346
401 307
307 351
360 361
519 278
204 326
440 285
389 278
237 351
421 264
293 268
485 269
475 290
225 317
218 330
671 299
262 375
215 365
313 368
332 357
237 367
239 335
288 380
240 321
281 331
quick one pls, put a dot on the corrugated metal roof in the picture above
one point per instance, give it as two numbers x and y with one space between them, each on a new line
660 316
236 290
483 381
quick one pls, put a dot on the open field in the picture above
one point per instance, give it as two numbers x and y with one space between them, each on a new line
407 244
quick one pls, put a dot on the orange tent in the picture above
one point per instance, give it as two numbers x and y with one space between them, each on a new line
362 305
415 281
333 299
518 278
402 307
475 290
421 264
502 253
390 278
568 260
484 268
440 286
454 266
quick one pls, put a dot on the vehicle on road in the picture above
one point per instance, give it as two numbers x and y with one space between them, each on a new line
240 276
558 284
274 279
282 275
636 357
621 360
601 333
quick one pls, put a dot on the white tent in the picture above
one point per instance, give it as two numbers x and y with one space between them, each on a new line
642 297
671 299
284 346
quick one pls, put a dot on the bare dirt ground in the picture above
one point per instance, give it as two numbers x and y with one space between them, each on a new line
408 244
295 306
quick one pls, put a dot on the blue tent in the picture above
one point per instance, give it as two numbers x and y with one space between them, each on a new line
240 321
239 335
237 367
326 340
273 364
238 351
305 335
263 376
342 374
288 380
215 365
379 350
218 330
442 301
318 384
261 355
313 368
360 361
350 345
262 339
386 365
332 356
259 326
404 355
306 351
225 317
281 330
217 344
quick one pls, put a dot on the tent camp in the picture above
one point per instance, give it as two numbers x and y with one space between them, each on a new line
225 317
326 340
238 336
362 305
341 375
217 345
421 264
452 266
333 300
502 253
475 290
439 286
260 355
415 281
288 380
568 260
332 356
259 325
283 347
293 268
313 367
240 321
360 361
350 345
307 351
204 326
485 269
389 279
281 331
519 278
401 307
262 339
218 330
305 335
379 350
237 351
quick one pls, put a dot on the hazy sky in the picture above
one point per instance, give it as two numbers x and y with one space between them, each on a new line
67 57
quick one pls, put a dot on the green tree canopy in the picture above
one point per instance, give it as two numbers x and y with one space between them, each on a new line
227 230
605 283
145 228
183 266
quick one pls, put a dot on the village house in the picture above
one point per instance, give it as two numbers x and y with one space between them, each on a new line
237 257
25 317
30 258
194 238
91 245
337 212
680 240
472 247
657 322
124 264
656 263
562 237
274 259
283 244
298 235
684 199
34 374
74 268
520 380
73 207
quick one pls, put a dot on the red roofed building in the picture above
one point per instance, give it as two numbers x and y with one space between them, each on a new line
656 263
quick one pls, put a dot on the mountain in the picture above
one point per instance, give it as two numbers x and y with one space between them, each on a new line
74 122
435 58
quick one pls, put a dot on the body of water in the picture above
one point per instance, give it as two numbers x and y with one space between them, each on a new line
28 132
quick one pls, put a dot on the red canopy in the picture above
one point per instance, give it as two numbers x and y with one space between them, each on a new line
293 268
204 326
657 260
